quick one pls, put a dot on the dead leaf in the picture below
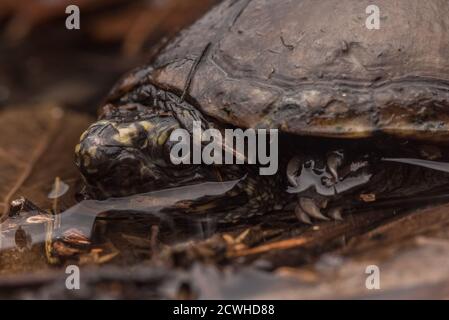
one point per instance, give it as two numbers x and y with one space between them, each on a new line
37 145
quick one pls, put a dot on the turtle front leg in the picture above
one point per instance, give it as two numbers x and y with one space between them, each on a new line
308 208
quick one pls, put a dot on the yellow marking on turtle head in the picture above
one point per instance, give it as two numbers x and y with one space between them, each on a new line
86 160
103 122
92 151
125 135
83 135
163 137
147 125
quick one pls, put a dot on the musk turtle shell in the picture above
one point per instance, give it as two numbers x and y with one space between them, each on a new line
314 68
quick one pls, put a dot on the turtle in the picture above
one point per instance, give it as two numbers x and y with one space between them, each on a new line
362 113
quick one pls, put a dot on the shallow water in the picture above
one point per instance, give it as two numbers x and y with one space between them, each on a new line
128 225
29 231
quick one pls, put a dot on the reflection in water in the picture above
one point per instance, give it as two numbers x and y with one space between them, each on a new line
435 165
97 230
77 225
312 176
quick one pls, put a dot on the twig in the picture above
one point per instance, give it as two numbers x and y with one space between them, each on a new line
280 245
154 235
57 188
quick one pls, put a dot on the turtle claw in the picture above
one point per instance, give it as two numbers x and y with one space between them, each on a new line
292 170
334 161
311 208
335 213
301 215
308 208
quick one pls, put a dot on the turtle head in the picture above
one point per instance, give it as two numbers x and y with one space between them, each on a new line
120 158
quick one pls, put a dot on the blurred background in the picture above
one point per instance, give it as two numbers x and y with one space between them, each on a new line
42 61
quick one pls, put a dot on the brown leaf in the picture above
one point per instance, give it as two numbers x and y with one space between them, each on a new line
36 146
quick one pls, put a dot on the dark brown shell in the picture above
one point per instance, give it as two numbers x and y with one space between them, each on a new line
312 67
